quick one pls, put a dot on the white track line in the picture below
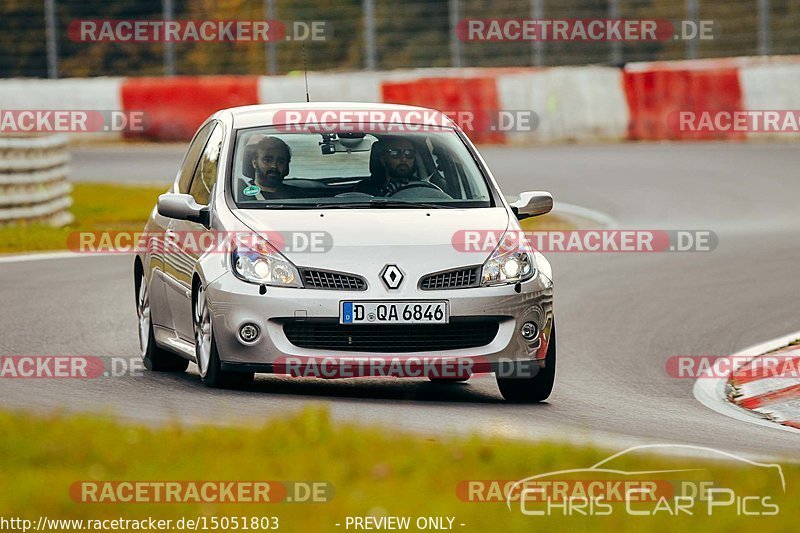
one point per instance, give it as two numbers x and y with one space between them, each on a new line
710 391
45 256
597 217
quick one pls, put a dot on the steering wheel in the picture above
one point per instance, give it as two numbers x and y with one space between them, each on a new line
415 184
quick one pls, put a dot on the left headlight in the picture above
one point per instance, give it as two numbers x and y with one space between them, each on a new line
511 261
259 262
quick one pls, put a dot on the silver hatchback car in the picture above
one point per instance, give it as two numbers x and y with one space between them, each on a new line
344 240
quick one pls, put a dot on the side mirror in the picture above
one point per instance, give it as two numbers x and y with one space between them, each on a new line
183 207
532 203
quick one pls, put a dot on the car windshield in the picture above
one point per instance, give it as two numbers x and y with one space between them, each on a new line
431 168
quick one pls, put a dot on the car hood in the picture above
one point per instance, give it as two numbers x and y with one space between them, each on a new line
363 241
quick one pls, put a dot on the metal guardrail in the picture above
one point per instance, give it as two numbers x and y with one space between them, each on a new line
373 35
33 180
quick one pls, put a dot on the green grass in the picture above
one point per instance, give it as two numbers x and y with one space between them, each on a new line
372 471
96 207
112 207
547 222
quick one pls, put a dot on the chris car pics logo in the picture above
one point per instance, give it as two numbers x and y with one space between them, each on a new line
604 489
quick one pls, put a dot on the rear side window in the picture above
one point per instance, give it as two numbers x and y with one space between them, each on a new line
192 156
206 173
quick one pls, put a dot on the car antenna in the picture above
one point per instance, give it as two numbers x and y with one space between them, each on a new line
305 70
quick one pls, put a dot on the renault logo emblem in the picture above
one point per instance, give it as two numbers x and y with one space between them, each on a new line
391 276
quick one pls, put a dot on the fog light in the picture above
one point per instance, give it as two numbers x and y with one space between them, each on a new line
529 331
248 333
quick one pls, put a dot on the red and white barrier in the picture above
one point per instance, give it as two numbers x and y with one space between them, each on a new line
770 385
582 104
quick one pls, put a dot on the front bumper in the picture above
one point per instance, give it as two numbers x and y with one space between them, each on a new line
234 303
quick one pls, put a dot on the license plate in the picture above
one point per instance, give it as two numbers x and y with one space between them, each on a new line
425 312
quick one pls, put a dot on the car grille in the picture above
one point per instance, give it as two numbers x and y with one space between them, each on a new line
451 279
391 338
323 279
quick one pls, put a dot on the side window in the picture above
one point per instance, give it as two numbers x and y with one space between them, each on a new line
192 155
206 173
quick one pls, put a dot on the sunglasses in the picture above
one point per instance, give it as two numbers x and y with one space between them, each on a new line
408 153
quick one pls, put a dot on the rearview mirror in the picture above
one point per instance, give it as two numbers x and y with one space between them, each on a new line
183 207
532 203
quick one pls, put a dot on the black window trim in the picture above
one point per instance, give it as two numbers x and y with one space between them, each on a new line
230 200
217 124
213 122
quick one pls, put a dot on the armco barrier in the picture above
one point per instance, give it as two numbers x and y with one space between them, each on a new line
33 180
175 107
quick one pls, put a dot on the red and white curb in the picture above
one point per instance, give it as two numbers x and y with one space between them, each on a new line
752 396
769 385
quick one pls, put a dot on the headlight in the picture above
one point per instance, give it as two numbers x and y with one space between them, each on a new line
259 262
512 261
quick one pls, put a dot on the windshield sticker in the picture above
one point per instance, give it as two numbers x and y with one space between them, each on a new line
252 190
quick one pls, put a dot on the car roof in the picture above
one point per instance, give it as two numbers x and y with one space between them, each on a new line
272 114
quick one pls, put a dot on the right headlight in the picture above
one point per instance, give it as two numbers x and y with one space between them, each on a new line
259 262
511 261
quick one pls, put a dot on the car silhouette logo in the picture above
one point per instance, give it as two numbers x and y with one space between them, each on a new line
391 276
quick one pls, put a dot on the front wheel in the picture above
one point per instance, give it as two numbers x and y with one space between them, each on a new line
450 379
208 361
537 388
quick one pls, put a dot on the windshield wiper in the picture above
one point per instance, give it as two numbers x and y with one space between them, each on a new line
387 203
285 206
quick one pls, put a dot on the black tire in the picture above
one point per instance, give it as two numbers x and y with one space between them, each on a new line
537 388
216 378
159 360
205 343
154 358
448 380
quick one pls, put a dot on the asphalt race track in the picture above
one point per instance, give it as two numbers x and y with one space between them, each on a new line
620 316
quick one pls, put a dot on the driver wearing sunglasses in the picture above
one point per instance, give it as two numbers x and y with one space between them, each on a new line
398 157
400 161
